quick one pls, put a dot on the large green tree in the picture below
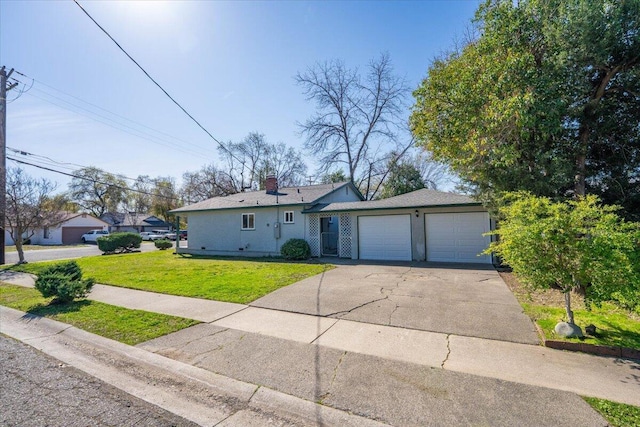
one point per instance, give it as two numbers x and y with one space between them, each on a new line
403 178
545 99
97 191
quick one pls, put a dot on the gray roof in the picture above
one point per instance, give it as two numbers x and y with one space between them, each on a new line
304 195
416 199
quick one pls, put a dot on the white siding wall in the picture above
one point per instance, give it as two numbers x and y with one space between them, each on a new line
219 232
55 233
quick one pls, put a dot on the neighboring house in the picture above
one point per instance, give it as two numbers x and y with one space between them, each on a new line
66 232
424 225
133 222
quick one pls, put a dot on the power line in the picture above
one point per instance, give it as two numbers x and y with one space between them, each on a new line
157 84
130 132
92 180
48 93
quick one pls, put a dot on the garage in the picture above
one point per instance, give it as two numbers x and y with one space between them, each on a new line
71 235
457 237
385 237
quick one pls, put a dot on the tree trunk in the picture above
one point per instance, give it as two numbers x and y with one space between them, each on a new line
567 304
581 172
18 243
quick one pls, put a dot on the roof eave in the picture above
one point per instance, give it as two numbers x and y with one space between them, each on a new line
449 205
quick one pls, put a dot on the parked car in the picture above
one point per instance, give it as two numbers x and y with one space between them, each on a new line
166 234
183 234
150 235
92 236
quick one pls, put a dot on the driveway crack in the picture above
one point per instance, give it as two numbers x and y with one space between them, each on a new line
448 351
357 307
393 311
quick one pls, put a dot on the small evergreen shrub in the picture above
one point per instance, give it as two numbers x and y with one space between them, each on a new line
163 244
297 249
119 242
64 282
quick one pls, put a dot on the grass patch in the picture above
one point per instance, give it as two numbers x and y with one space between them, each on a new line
121 324
614 326
617 414
231 280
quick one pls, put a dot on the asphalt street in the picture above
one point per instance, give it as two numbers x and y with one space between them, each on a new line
42 391
67 253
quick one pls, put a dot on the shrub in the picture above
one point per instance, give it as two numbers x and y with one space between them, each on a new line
578 245
163 244
296 249
64 282
119 242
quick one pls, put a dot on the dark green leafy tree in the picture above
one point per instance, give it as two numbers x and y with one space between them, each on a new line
403 178
546 99
333 177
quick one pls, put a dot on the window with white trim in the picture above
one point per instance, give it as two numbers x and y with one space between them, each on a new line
46 233
248 221
288 217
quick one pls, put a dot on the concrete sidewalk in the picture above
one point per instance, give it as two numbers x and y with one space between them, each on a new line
604 377
192 393
352 365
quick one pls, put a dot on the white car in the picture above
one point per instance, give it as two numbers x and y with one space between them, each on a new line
166 234
92 236
150 236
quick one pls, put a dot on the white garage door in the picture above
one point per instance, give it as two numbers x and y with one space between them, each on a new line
386 237
457 237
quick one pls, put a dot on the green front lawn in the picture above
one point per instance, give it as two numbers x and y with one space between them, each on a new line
230 280
614 327
121 324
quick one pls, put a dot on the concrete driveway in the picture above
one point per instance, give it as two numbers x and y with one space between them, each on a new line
462 300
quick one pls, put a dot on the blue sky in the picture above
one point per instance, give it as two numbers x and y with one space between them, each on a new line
230 64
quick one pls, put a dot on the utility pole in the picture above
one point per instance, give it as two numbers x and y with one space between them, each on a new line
3 155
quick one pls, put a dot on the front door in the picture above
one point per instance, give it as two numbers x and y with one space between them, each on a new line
329 236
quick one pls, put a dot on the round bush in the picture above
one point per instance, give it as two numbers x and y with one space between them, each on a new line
296 249
119 242
163 244
64 282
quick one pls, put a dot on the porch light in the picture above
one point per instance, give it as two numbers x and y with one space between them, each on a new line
417 213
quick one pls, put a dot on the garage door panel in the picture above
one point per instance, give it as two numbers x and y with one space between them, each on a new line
385 237
457 237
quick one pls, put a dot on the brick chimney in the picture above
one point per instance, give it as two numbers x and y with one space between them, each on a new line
271 184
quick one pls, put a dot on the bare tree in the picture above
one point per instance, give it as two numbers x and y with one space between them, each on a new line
285 163
29 207
204 184
358 120
243 160
249 161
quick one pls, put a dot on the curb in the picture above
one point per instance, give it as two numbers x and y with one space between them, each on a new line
580 347
193 393
598 350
